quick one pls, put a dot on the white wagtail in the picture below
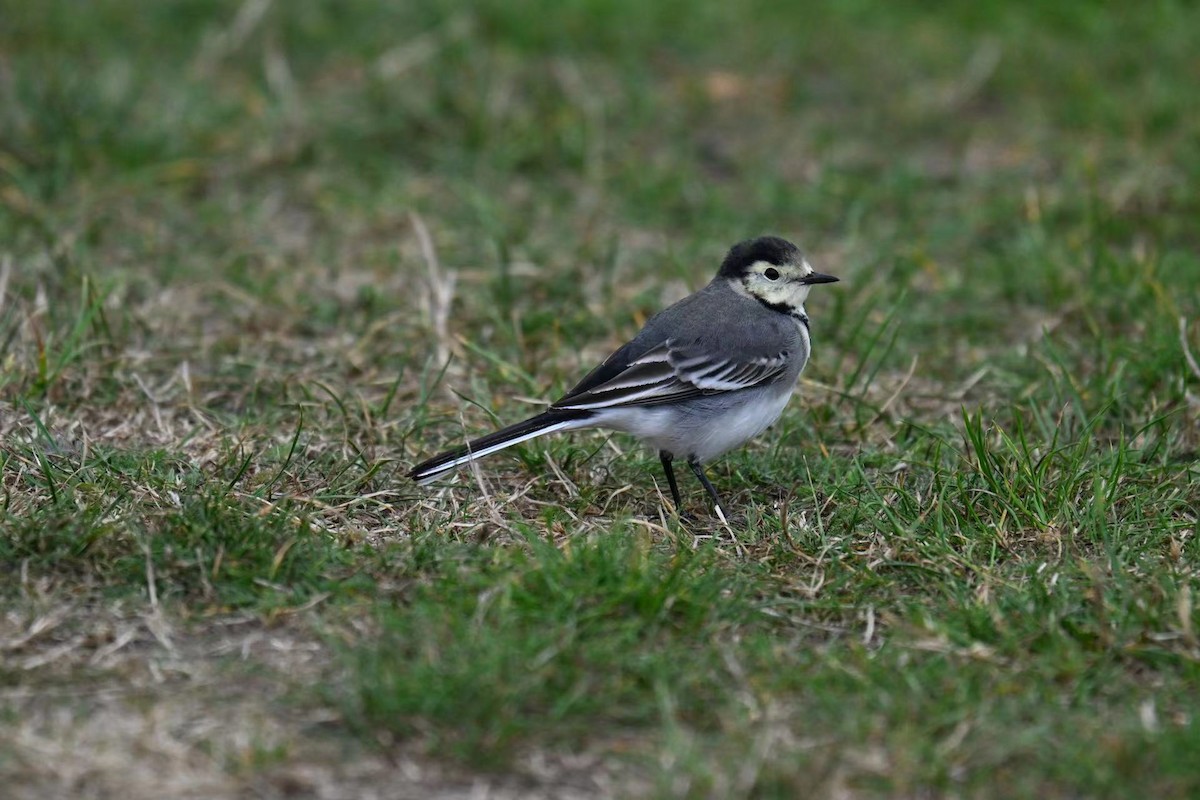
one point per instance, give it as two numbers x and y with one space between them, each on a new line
702 377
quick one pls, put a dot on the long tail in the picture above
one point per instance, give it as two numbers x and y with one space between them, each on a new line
439 465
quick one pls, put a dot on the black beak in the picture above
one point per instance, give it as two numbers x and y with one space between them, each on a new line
816 277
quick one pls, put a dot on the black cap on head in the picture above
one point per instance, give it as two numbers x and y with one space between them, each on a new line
771 249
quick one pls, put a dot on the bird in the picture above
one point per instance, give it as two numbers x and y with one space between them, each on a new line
703 376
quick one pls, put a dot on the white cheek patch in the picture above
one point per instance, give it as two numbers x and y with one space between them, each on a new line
784 291
781 293
789 293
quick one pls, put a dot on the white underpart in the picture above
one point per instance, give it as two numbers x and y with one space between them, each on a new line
685 434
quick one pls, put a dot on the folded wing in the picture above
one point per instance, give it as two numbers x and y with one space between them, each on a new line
667 373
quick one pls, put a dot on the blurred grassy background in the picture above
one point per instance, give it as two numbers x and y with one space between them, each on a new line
964 562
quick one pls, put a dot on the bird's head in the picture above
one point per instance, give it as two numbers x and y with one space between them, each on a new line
773 271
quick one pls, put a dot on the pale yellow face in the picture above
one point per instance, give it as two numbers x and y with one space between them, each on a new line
776 284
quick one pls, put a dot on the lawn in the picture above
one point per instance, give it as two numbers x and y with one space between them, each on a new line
258 258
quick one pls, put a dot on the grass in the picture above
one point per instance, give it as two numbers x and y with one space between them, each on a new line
259 258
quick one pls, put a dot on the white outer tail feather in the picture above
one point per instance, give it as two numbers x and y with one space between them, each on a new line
429 476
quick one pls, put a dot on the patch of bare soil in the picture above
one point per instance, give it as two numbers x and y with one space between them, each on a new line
121 703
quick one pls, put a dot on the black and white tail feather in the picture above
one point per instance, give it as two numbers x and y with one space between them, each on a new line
702 377
429 471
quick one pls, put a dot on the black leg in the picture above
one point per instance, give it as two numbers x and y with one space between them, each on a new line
666 459
712 492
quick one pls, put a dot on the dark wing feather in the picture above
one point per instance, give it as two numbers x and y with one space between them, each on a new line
667 373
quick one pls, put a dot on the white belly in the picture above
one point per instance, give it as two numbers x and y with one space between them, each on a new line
700 428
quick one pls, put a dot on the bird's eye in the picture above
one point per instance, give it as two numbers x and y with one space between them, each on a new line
771 274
